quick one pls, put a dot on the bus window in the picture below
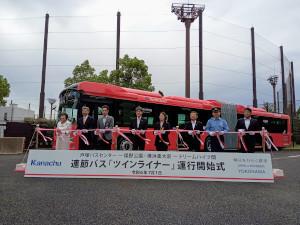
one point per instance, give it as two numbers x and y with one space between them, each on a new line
181 119
148 114
72 113
125 113
278 126
274 125
150 121
99 110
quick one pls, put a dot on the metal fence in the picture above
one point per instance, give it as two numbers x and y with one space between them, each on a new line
227 55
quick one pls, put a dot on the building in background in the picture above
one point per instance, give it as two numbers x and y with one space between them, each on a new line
13 113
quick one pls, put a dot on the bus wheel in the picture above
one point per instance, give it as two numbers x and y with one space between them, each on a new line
207 145
123 144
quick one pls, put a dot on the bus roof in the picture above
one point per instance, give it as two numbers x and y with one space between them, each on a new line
117 92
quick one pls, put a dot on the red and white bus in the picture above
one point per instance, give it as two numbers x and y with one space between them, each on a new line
122 102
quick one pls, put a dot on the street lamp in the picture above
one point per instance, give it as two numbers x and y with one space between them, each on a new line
187 13
51 102
273 81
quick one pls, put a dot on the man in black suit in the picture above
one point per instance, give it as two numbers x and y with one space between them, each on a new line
84 123
191 139
248 124
139 123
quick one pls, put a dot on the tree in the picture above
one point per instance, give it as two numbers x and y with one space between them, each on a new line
83 72
269 107
4 90
132 73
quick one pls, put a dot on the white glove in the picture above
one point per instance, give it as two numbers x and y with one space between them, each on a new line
190 132
198 132
221 132
155 132
212 133
142 132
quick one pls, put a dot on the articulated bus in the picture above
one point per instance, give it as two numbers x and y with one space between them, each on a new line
123 101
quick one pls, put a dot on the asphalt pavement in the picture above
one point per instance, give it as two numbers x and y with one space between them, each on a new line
120 201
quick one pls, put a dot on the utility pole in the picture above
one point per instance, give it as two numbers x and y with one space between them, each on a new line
118 39
42 93
12 111
293 88
284 103
253 67
187 13
273 81
201 91
278 106
51 102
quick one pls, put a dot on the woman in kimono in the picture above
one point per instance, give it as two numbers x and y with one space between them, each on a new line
63 133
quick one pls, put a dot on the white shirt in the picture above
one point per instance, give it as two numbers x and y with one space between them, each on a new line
161 125
247 122
193 124
104 120
64 126
84 119
138 122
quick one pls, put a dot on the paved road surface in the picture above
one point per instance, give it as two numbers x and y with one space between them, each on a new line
110 201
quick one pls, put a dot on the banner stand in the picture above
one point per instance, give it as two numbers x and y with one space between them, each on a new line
169 165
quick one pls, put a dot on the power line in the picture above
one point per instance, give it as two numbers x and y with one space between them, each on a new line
155 65
126 48
226 21
23 18
266 52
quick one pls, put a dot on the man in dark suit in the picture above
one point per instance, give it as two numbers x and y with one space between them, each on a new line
84 123
139 123
248 124
191 139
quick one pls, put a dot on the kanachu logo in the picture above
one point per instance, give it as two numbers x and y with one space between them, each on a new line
45 163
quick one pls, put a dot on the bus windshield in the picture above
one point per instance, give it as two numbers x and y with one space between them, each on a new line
68 103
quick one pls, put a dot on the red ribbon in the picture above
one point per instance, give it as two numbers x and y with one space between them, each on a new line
219 139
195 134
159 133
241 137
124 136
43 136
269 142
81 136
186 147
138 133
99 133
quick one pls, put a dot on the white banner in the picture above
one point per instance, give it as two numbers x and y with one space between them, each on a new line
169 165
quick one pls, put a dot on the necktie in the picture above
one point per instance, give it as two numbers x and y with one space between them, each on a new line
138 122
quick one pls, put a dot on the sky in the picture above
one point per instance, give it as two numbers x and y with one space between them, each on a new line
80 30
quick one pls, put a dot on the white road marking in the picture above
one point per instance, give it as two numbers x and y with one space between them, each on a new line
289 156
294 156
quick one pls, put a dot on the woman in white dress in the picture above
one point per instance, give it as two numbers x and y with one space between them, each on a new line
63 133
